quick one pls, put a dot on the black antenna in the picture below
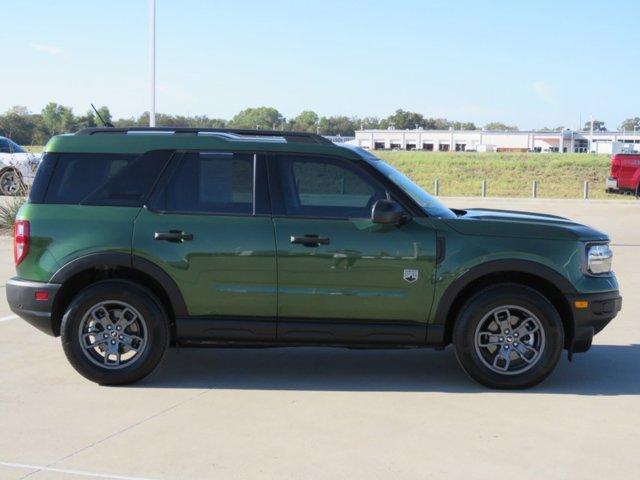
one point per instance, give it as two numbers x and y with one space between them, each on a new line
106 124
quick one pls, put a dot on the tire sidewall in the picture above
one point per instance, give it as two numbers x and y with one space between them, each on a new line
482 303
144 302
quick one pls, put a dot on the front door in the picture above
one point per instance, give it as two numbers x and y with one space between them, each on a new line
342 278
210 229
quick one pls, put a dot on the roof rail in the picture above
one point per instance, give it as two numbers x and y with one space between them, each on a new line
290 137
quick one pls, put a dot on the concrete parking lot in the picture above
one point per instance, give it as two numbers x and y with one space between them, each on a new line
331 413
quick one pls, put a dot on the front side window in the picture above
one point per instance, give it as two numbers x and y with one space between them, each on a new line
209 182
326 187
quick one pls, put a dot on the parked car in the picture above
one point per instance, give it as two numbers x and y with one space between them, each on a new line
624 176
17 167
134 240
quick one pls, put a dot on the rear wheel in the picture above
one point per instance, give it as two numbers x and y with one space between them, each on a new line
114 332
10 183
508 336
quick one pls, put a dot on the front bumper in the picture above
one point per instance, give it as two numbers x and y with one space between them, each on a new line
21 296
602 308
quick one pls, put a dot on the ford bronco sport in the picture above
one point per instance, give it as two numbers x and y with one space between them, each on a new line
135 240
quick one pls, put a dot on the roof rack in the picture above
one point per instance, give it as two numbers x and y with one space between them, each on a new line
290 137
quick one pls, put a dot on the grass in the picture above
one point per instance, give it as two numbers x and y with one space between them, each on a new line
507 174
8 209
34 148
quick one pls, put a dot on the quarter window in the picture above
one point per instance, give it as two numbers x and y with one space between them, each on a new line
326 187
209 182
99 178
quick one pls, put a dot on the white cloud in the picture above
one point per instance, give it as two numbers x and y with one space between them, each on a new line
545 91
50 49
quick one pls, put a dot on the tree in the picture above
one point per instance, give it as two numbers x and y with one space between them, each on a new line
338 125
19 125
463 126
58 119
500 126
306 121
598 126
630 124
402 120
264 118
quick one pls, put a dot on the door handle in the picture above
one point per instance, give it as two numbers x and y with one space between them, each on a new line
175 236
309 240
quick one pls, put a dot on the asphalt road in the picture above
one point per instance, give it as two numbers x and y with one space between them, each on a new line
319 413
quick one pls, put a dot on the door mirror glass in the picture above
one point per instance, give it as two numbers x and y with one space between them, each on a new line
386 212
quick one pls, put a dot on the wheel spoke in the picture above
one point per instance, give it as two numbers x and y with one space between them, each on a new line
130 341
502 360
127 317
112 350
527 327
502 319
487 339
98 339
101 316
526 352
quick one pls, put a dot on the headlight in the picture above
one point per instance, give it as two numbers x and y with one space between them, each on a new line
599 259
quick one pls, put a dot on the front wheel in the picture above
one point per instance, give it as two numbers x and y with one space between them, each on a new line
114 332
508 336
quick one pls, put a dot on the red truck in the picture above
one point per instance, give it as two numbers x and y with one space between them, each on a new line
624 177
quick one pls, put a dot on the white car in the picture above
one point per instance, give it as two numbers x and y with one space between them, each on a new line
17 168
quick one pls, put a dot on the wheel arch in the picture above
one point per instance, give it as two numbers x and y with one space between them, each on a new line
541 278
83 271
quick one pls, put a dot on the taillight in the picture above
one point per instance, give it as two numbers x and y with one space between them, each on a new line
20 240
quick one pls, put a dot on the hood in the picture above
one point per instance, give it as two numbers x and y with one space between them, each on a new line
507 223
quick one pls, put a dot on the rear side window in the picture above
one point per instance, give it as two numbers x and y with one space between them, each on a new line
209 182
99 179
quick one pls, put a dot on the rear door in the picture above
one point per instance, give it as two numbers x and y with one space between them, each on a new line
208 225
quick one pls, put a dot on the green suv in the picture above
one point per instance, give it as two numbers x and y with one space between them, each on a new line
135 240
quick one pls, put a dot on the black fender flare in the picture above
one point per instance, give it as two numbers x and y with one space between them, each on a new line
122 259
436 330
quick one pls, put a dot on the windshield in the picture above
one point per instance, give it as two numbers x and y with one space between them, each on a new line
16 148
430 204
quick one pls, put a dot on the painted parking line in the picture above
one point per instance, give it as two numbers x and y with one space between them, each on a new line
7 318
70 472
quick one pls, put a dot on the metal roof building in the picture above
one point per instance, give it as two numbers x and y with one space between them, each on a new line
498 141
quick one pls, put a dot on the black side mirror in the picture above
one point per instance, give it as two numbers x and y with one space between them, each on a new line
387 212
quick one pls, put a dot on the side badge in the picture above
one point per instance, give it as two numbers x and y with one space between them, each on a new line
410 275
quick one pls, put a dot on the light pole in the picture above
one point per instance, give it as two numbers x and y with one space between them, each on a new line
152 61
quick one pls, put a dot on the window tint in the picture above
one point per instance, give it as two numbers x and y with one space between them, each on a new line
326 187
210 182
104 179
4 146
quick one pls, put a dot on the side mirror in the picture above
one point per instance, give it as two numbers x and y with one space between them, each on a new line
386 212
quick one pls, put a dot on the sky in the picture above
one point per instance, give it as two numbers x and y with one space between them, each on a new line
532 64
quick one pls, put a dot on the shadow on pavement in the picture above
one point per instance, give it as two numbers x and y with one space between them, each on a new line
604 370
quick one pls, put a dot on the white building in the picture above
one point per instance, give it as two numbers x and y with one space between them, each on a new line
498 141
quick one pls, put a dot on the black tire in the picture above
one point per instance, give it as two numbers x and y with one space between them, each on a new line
156 331
477 310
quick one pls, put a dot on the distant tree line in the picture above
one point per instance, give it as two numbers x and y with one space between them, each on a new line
28 128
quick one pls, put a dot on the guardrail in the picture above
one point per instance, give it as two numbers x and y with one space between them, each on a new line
534 188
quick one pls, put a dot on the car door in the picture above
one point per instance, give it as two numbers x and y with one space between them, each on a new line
208 226
341 277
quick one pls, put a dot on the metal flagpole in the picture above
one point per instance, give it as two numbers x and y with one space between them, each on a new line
152 61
